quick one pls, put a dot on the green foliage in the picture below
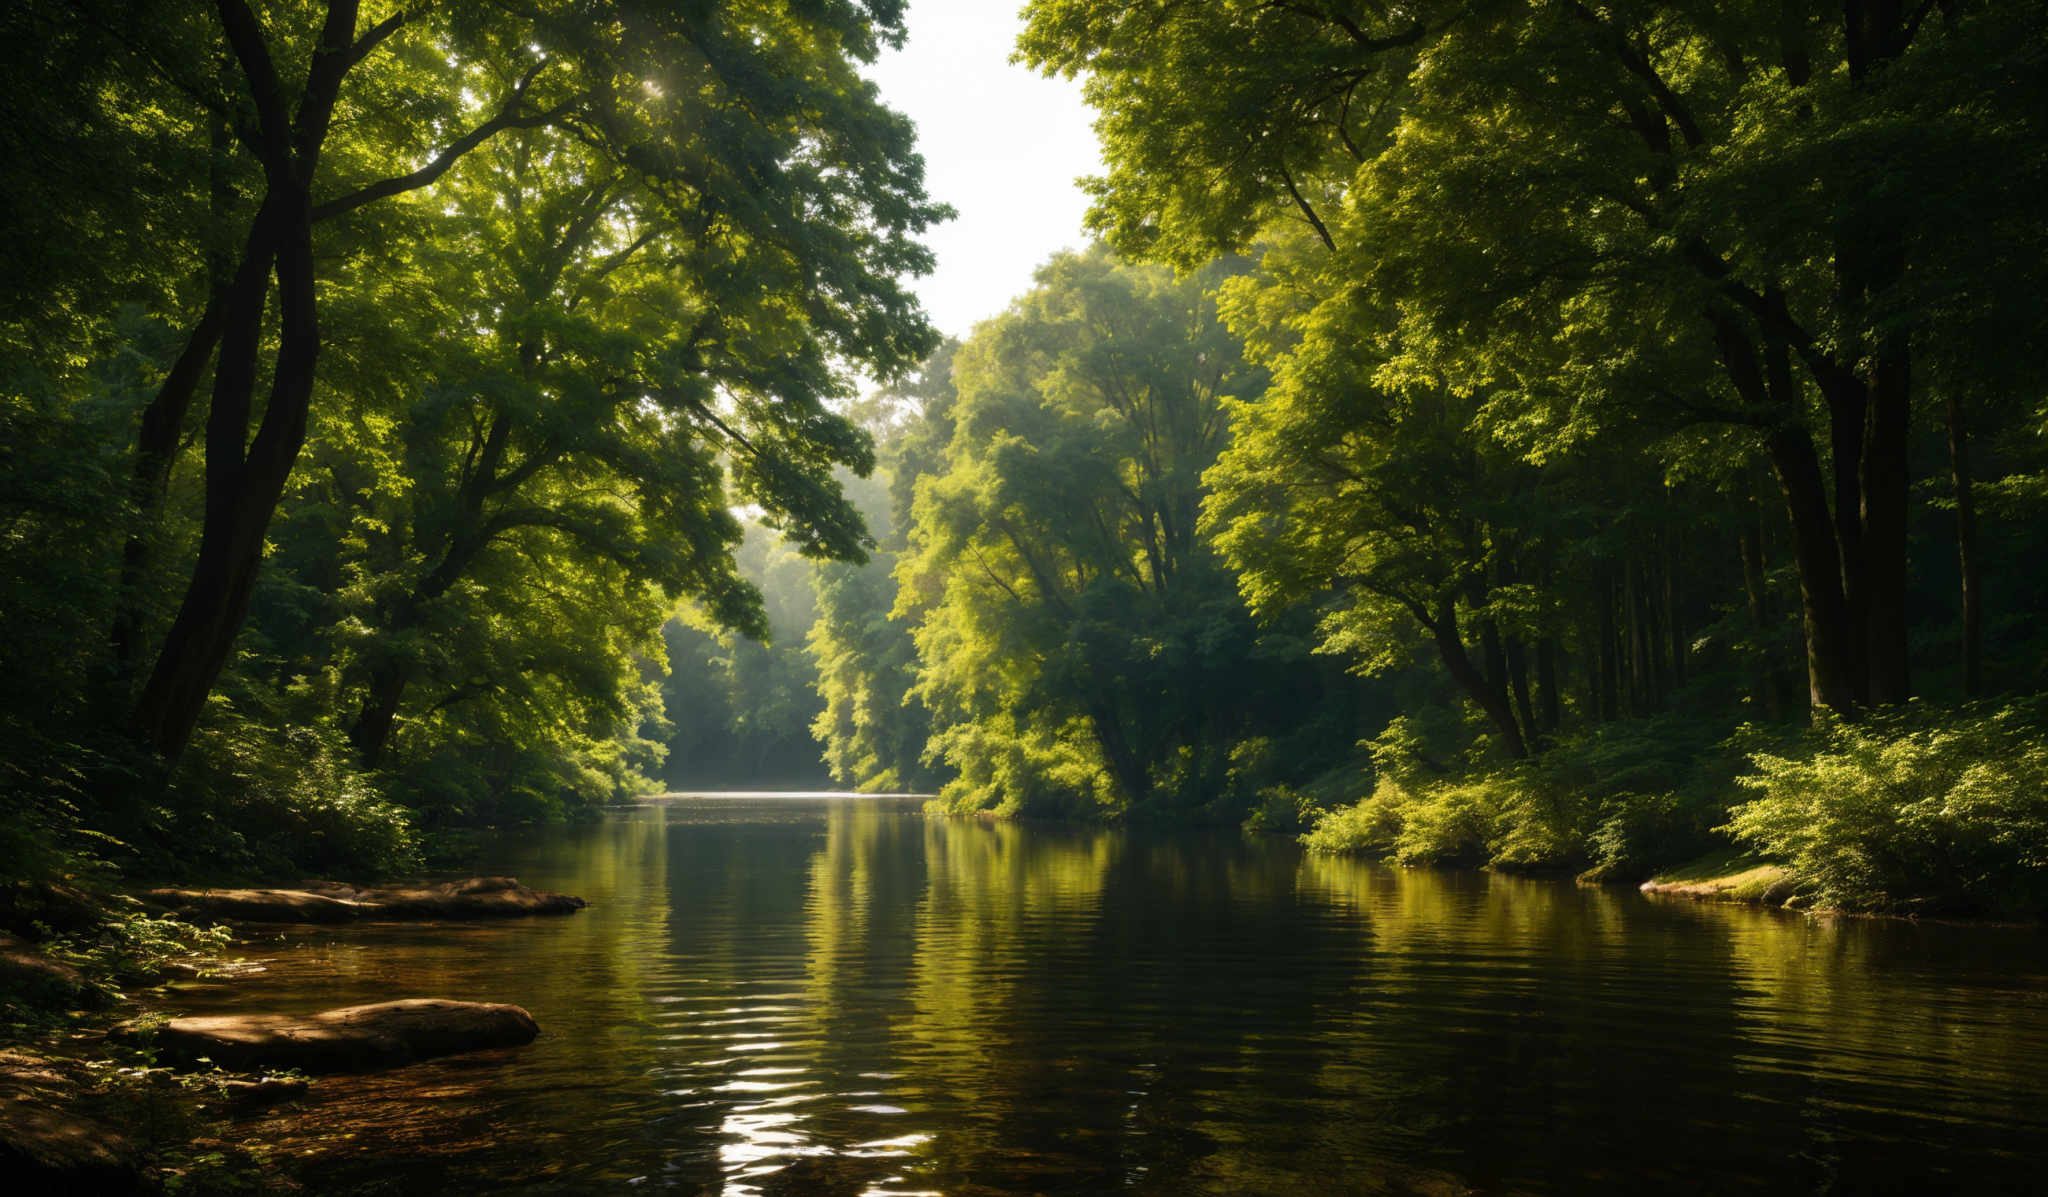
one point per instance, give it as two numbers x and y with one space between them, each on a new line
1912 812
1443 825
249 800
635 257
1618 802
1080 646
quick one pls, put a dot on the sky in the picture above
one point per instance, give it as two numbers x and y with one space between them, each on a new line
1001 144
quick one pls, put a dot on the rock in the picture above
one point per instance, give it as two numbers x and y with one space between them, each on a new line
477 897
46 1146
256 905
339 902
27 975
266 1091
351 1039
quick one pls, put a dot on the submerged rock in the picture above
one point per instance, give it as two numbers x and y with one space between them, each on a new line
339 902
351 1039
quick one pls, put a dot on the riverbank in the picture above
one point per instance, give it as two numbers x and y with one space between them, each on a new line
1729 876
109 1090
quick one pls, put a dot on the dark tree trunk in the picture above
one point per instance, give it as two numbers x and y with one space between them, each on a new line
1966 549
1518 685
243 487
1870 259
1763 685
1674 628
1490 697
163 421
1130 772
371 730
1549 700
1831 675
1886 487
1639 682
1610 667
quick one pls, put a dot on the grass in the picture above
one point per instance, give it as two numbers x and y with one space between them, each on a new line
1729 875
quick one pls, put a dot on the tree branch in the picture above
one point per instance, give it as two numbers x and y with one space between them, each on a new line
508 117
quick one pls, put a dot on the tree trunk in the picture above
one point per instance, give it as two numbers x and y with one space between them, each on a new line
1674 628
1492 701
1763 688
243 487
1831 645
1886 492
1639 697
163 421
1869 260
1518 684
1130 773
371 730
1552 707
1966 549
1610 670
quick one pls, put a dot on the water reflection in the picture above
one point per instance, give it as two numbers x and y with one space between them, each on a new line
773 997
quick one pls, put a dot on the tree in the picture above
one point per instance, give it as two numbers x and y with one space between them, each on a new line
1077 636
1566 209
752 132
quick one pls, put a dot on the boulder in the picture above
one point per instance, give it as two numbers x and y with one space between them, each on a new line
351 1039
27 975
474 898
339 902
256 905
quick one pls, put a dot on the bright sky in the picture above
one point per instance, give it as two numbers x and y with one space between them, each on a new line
1000 143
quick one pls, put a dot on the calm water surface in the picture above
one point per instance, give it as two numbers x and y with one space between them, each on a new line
818 996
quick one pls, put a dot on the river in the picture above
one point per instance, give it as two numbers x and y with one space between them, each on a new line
814 995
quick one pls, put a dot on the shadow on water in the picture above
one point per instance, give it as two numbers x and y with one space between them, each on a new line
809 996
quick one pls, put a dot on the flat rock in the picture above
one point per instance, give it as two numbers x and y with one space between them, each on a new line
476 897
26 974
340 902
351 1039
256 905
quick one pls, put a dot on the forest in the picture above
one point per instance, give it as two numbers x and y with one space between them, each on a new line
1564 437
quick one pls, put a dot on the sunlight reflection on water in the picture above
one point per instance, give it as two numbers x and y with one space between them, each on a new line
771 997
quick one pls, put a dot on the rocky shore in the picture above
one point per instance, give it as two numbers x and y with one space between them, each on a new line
68 1111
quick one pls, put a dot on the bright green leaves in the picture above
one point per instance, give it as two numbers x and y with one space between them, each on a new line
1074 627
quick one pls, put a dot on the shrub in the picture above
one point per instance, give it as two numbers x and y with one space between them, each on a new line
1451 825
247 799
1903 814
1443 825
1369 828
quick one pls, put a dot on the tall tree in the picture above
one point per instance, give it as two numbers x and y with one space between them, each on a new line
752 129
1571 208
1076 629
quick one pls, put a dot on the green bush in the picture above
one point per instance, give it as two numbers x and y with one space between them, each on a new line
247 800
1906 813
1625 798
1443 825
